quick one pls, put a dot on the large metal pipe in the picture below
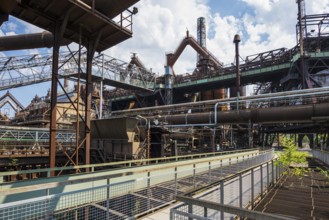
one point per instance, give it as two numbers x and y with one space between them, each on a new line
263 97
29 41
286 114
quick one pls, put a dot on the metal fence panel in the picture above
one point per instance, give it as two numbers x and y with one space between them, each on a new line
254 183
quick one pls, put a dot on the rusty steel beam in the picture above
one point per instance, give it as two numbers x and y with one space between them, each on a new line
53 99
92 45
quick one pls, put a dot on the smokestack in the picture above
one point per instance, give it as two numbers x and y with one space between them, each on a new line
201 34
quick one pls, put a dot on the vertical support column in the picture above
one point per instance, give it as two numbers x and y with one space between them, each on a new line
101 101
77 131
53 99
148 139
236 41
213 139
250 135
89 87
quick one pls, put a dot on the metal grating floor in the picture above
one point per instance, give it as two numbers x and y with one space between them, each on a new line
164 193
299 197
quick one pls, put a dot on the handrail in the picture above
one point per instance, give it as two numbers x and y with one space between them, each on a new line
105 176
125 163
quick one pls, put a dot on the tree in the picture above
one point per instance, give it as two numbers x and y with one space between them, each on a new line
292 160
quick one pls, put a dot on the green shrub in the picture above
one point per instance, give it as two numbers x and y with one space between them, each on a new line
294 161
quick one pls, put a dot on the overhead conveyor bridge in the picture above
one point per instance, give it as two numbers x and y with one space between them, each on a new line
25 70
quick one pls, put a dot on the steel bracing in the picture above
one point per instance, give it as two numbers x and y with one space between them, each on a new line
8 133
25 70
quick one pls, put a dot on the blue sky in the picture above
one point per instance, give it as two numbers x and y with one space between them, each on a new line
236 8
160 25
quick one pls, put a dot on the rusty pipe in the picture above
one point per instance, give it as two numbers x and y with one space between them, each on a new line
303 113
29 41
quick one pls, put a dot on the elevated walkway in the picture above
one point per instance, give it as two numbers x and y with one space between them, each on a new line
280 196
120 193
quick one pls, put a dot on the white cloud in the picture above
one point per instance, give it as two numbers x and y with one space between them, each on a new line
260 5
317 6
11 33
160 26
10 26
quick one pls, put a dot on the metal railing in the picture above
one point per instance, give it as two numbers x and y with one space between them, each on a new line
8 133
133 194
231 197
121 164
321 155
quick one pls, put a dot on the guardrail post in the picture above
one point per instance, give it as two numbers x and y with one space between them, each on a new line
267 175
176 184
190 210
261 181
229 163
273 173
194 175
205 212
148 190
108 199
240 190
221 168
222 198
209 171
252 188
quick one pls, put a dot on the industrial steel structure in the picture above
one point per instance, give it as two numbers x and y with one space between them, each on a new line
209 123
147 141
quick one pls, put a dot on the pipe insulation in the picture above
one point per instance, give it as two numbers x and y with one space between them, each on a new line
284 114
29 41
